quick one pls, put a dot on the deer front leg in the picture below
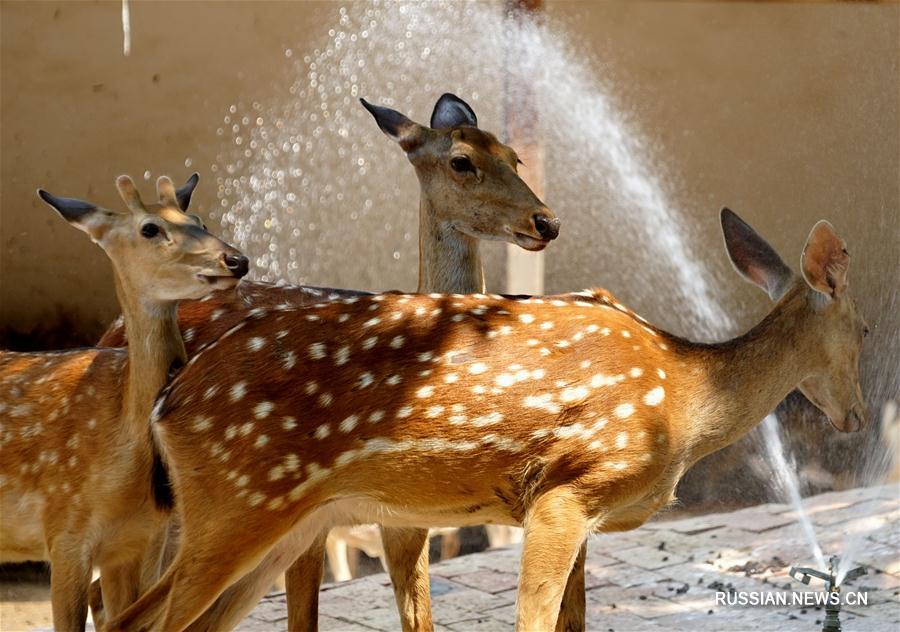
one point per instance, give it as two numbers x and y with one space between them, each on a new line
302 580
70 579
572 610
406 551
555 528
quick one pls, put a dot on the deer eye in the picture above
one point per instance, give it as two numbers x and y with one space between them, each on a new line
461 164
149 230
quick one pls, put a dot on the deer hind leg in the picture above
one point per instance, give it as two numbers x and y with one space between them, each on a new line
119 586
572 610
406 551
203 568
302 581
95 601
555 528
70 580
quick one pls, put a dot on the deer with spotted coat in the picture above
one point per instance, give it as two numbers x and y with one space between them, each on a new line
470 191
77 455
567 415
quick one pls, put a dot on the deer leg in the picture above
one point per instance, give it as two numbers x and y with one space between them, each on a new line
572 610
95 601
120 586
70 580
450 544
338 561
406 551
302 581
555 528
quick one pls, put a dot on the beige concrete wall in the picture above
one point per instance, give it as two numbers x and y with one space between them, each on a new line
788 113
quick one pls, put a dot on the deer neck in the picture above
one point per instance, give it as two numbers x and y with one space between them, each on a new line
744 379
154 346
449 261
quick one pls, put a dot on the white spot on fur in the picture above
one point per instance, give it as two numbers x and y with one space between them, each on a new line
317 350
655 396
393 380
323 431
365 380
256 343
342 355
376 416
478 368
573 394
623 411
487 420
526 318
542 402
325 399
425 391
349 424
661 374
621 440
289 360
261 440
406 411
636 372
369 342
263 409
201 423
397 342
289 423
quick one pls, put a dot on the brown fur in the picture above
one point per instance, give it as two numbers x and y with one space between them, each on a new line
456 210
551 416
77 453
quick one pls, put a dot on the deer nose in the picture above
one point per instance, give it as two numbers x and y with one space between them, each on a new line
239 265
547 228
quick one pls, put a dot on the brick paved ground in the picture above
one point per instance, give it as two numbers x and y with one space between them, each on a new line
662 576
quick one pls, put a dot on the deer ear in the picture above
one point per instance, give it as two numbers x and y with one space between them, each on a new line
184 192
409 134
73 211
80 214
450 111
825 260
753 257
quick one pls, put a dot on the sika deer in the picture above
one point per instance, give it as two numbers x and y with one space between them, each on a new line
78 459
568 415
469 191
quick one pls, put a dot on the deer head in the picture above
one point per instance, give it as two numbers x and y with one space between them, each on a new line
463 168
837 323
156 247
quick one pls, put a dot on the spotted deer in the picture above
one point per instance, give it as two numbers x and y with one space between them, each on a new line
567 415
78 458
469 191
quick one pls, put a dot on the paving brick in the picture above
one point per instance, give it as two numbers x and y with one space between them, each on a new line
488 580
650 557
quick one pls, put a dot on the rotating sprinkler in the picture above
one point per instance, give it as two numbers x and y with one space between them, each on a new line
802 574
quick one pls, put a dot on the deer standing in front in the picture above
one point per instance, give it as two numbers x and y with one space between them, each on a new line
568 415
469 191
78 460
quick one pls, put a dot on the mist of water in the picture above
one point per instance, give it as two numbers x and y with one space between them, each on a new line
786 482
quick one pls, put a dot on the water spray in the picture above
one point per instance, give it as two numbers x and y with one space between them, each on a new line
803 574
